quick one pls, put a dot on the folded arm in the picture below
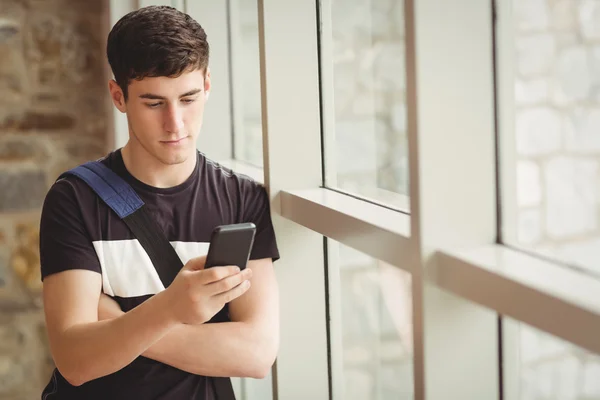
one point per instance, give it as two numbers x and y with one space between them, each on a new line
84 348
245 347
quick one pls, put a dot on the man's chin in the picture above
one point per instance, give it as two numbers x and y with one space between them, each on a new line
175 159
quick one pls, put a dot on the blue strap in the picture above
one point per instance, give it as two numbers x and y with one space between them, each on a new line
110 187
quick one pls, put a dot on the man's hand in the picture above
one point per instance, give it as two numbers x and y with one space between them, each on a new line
196 294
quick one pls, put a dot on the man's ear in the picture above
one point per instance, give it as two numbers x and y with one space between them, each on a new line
116 94
207 84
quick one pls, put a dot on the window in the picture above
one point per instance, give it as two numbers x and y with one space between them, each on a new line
245 65
550 145
553 369
363 64
371 332
448 270
556 121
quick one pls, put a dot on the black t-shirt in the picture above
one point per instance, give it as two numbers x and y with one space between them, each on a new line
79 231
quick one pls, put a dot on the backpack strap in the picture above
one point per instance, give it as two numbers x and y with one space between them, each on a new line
126 203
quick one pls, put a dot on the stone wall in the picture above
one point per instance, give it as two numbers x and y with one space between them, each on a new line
54 114
557 128
370 150
557 125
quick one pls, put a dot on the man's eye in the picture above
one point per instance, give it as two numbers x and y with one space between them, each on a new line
188 101
153 105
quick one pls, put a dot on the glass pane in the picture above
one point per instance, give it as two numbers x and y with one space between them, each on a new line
553 369
245 62
371 331
366 142
555 70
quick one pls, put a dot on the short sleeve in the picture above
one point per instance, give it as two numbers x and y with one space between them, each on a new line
258 211
64 241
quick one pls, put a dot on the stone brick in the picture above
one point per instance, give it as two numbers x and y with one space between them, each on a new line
565 40
535 54
93 7
13 67
529 190
359 384
356 141
529 230
531 92
20 150
538 131
389 68
13 296
8 29
581 131
529 342
399 20
564 15
381 23
583 253
531 15
571 196
29 370
396 380
591 378
39 121
82 151
573 73
25 257
589 18
4 265
22 190
568 372
398 112
63 48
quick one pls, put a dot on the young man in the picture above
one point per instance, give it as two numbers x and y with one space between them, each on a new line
115 332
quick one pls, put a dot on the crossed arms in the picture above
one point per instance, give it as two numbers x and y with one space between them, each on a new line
91 337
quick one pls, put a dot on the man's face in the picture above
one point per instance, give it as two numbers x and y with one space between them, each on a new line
165 114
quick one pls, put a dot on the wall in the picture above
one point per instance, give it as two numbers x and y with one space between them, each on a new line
54 113
557 133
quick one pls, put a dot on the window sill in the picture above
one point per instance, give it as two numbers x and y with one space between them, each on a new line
524 287
377 231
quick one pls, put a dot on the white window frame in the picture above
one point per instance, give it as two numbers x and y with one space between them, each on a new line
447 252
461 277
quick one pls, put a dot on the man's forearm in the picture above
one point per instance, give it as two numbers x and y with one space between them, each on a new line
96 349
218 349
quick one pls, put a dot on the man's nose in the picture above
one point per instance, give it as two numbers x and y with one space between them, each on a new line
173 120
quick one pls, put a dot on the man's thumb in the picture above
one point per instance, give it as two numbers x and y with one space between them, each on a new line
195 264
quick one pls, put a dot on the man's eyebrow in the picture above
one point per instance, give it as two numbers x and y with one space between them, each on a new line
191 93
151 96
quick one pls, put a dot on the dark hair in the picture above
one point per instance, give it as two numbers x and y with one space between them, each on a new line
155 41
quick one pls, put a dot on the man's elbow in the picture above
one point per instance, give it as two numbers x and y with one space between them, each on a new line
75 373
261 369
72 375
264 359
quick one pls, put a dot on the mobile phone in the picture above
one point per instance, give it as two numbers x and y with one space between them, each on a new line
231 245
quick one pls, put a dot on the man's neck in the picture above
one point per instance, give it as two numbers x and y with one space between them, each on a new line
147 169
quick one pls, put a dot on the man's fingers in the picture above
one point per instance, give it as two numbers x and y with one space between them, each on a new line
216 274
230 282
234 293
195 264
